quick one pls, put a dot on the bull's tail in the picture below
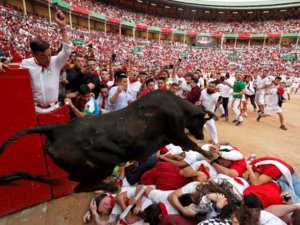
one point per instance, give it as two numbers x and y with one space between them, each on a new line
46 130
9 178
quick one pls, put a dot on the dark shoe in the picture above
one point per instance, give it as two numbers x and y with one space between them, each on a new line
234 121
222 116
226 119
258 118
239 123
259 111
282 127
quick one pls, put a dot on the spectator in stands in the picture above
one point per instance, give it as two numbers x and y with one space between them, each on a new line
45 91
120 95
150 86
79 75
194 95
161 84
175 89
92 64
85 104
102 99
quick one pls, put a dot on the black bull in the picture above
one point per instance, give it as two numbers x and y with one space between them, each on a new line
89 148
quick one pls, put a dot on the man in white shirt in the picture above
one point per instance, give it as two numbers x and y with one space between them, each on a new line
261 88
120 96
209 99
44 69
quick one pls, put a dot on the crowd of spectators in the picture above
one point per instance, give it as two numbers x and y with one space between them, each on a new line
271 26
152 55
103 70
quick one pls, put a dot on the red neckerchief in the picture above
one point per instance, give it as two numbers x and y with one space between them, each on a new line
132 80
43 67
164 150
163 208
112 199
238 180
203 169
280 91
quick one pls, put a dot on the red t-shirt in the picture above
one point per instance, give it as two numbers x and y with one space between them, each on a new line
165 176
269 169
239 166
269 193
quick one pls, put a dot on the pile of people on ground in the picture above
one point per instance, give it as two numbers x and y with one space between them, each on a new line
182 187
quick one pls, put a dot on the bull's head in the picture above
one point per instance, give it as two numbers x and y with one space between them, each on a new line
196 122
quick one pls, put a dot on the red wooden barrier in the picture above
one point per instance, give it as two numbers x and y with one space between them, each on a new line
65 186
17 112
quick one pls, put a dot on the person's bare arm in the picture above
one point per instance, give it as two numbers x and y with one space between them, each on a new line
114 98
257 179
174 200
188 172
78 114
180 164
224 170
61 21
3 67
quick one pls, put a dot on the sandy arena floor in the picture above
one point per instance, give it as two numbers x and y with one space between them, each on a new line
263 138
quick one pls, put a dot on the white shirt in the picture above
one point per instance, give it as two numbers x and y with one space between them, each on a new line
192 156
209 100
211 170
135 88
267 218
190 187
224 90
106 106
45 85
261 83
250 88
272 96
122 100
157 196
173 149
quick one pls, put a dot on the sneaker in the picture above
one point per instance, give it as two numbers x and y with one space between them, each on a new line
245 114
282 127
239 123
199 141
258 118
234 121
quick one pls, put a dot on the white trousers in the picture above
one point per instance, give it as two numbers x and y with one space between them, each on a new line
237 109
212 130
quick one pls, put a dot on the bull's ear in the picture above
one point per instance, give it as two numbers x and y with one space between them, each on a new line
210 115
